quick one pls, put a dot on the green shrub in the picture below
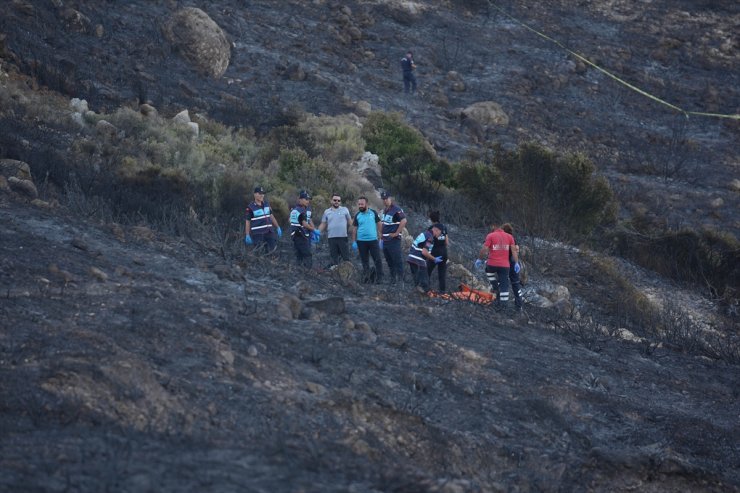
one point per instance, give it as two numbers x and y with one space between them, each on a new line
707 258
407 161
553 195
314 174
338 138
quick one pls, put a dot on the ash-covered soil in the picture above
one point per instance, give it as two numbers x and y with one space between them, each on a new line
132 361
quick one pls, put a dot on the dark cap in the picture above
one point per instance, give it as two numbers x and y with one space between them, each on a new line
303 194
259 190
439 226
385 194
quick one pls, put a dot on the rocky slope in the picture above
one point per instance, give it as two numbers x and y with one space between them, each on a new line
343 56
131 360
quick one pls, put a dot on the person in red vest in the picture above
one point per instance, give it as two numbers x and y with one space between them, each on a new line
496 250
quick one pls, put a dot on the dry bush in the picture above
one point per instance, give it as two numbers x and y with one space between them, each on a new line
338 138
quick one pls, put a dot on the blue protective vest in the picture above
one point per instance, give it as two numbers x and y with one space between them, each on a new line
392 217
424 240
260 218
295 225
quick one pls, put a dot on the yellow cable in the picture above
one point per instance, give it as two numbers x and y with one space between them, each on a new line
604 71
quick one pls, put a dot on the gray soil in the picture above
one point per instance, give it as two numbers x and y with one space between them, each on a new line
169 369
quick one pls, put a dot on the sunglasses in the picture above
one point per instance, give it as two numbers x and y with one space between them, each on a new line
336 200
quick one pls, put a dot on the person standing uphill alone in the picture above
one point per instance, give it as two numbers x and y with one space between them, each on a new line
409 78
394 220
497 247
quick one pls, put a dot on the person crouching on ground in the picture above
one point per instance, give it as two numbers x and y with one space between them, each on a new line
421 252
497 247
260 225
439 250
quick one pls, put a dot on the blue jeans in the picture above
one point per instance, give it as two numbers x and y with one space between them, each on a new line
394 258
409 80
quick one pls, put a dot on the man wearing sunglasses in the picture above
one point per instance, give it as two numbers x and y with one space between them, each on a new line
337 221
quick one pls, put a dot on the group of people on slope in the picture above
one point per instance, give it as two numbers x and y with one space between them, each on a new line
369 233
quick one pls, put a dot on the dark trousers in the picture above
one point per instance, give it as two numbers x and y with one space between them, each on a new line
394 258
516 285
499 279
264 243
441 273
421 278
367 248
409 80
302 248
338 248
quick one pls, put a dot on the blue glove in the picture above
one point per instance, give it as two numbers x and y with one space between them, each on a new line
280 232
517 267
354 245
248 240
316 237
380 244
438 260
478 263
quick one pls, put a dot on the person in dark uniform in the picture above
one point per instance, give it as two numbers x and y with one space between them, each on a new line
438 250
409 78
420 253
261 226
516 283
302 230
394 220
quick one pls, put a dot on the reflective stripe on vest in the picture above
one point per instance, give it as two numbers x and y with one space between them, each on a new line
261 217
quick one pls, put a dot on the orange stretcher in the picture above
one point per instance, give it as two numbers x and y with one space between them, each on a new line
466 293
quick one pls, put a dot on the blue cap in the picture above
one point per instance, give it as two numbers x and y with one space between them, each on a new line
385 194
303 194
259 190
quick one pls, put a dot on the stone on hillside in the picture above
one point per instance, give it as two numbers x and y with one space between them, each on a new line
182 117
25 187
13 167
458 271
75 20
735 185
194 128
200 40
78 119
295 72
345 273
289 307
487 113
363 108
79 105
4 184
148 110
717 203
98 274
105 128
333 305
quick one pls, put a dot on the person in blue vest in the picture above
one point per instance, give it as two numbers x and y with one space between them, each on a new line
394 220
439 250
302 230
368 229
261 226
516 283
420 253
409 78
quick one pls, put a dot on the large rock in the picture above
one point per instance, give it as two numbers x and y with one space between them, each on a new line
200 40
487 113
12 167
